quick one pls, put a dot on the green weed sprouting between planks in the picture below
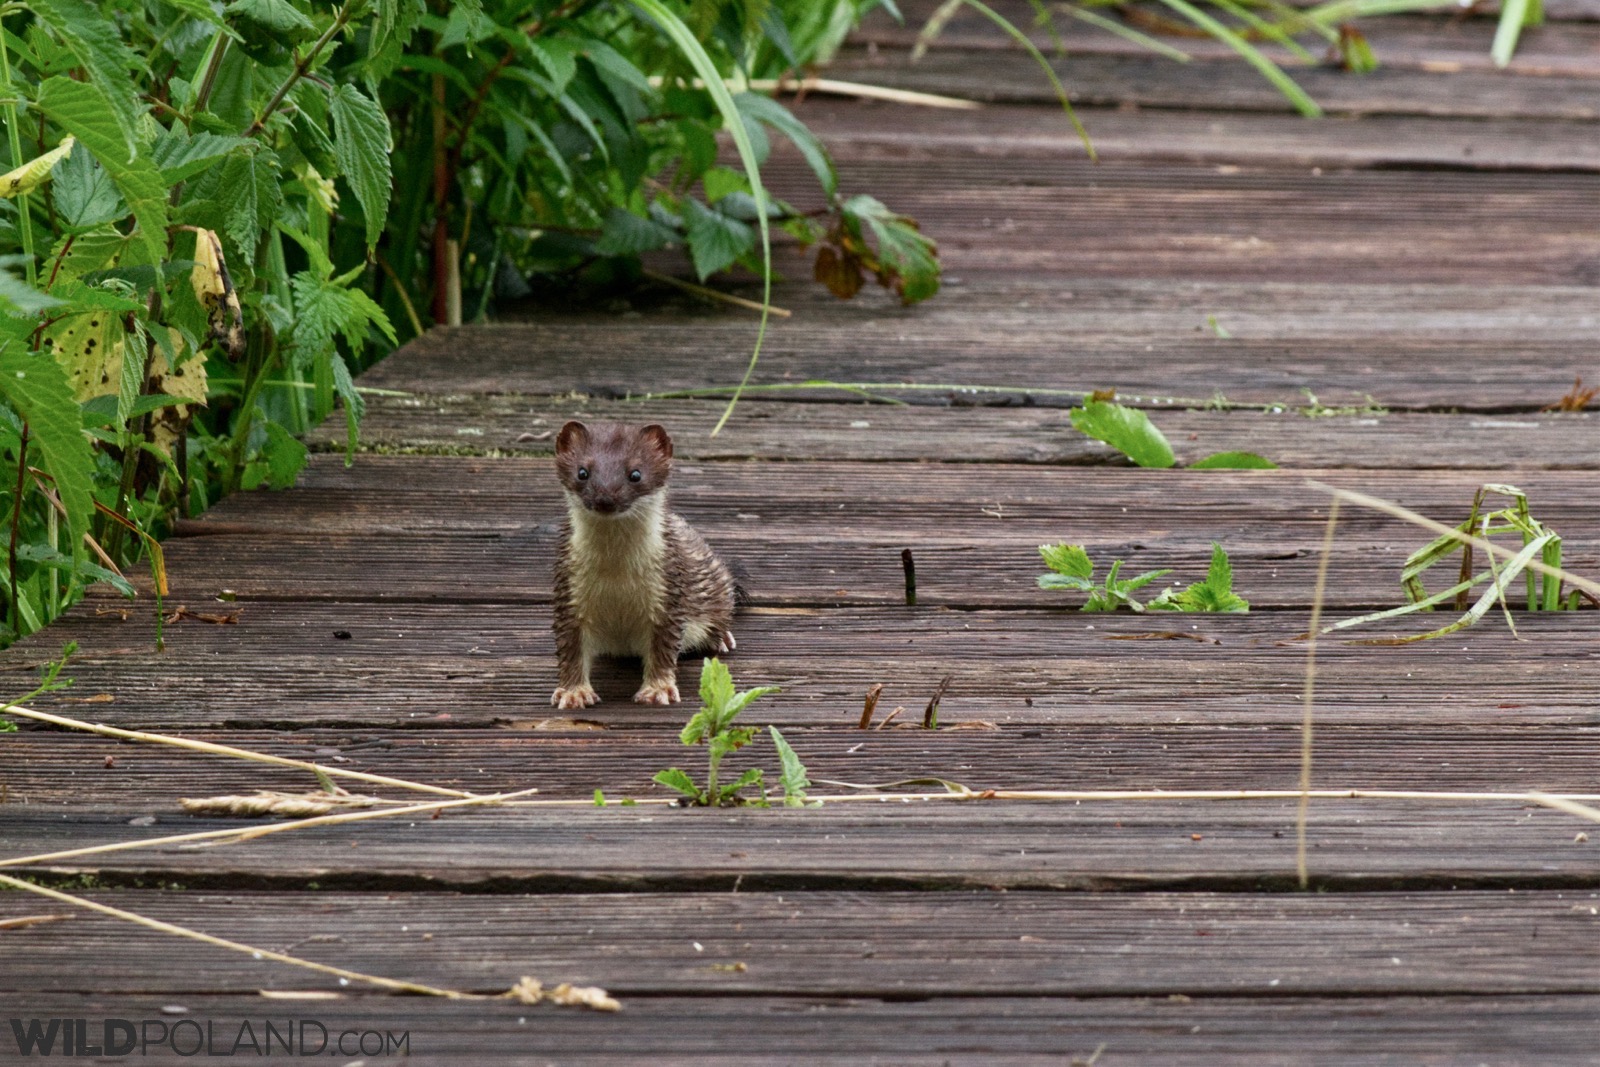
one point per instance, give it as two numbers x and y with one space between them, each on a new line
713 724
1130 431
1071 568
1544 592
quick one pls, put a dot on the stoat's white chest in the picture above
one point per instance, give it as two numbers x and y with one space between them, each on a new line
617 575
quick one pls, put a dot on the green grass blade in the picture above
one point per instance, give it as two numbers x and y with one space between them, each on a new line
1335 12
1267 29
695 52
1513 16
1128 33
1252 55
1044 64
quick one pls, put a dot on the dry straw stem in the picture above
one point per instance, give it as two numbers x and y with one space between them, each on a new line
835 87
230 837
713 294
1309 697
517 992
226 750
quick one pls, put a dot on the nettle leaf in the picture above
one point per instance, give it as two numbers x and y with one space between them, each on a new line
361 144
39 392
1214 594
355 406
95 42
627 234
325 309
277 15
699 724
907 262
557 56
715 240
1068 561
180 157
1128 430
723 181
285 456
467 25
80 109
46 556
85 195
1237 461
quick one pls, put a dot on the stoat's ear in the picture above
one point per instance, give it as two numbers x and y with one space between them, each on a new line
573 435
659 438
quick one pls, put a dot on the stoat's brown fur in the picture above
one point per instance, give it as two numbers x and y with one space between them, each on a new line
633 579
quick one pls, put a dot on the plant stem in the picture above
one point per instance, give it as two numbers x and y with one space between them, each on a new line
24 220
16 521
302 65
208 80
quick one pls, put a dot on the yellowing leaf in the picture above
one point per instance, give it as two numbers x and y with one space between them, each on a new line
27 177
88 346
214 289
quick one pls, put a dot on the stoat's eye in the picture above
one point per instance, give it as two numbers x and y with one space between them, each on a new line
635 476
583 474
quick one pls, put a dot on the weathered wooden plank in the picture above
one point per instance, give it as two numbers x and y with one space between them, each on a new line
730 1031
859 130
904 945
999 304
521 424
881 844
1148 80
1023 363
1413 748
1073 218
443 666
1438 44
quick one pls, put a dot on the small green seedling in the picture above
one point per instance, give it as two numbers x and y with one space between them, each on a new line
713 723
793 777
1130 431
50 681
1538 540
1072 569
1214 594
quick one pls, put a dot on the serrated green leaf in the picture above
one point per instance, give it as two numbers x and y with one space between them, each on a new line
627 234
699 725
721 181
715 241
361 144
716 686
285 456
17 295
81 110
676 779
1128 430
1236 461
279 16
1069 561
37 389
908 261
1062 581
793 776
85 196
355 406
743 699
467 24
753 776
558 57
93 39
180 157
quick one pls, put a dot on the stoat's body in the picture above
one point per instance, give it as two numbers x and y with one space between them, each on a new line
633 579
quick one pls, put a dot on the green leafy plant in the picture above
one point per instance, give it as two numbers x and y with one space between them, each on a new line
713 724
1215 593
1071 568
211 218
50 681
1130 431
1543 591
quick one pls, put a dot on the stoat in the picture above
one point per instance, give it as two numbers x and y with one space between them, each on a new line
633 578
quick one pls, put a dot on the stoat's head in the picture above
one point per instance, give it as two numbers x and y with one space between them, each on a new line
609 467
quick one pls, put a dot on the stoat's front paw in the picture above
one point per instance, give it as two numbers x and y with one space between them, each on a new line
725 641
579 696
657 693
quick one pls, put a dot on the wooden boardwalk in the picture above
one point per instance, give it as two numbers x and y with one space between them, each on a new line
1422 266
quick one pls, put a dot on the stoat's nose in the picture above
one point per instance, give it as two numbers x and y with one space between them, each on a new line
604 503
